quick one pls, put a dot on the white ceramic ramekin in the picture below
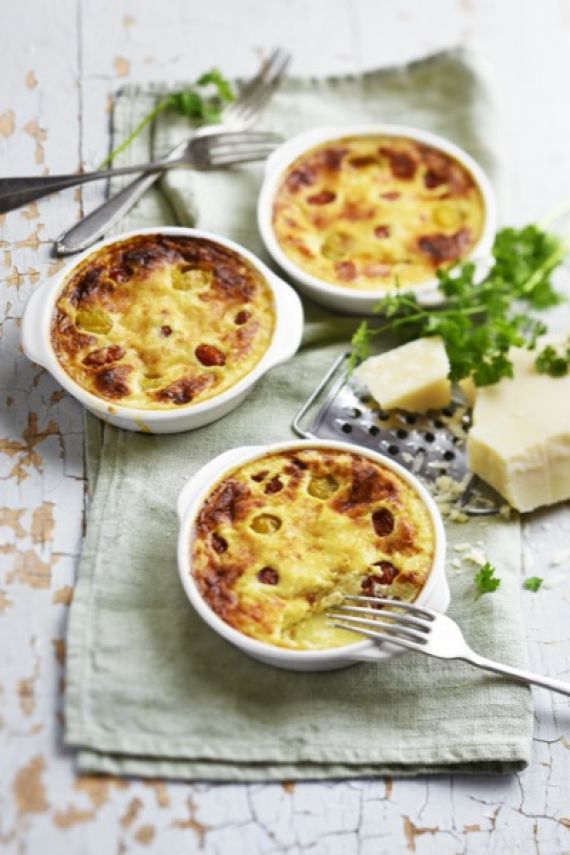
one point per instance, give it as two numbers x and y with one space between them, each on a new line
335 296
284 344
434 594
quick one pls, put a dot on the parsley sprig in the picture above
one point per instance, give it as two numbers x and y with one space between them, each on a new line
554 361
485 580
481 318
202 102
533 583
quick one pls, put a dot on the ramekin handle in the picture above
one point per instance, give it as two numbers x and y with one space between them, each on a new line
32 336
207 474
373 654
289 331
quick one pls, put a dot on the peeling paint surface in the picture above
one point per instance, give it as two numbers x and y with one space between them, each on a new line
60 68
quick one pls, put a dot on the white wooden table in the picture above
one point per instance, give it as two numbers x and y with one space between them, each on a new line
59 64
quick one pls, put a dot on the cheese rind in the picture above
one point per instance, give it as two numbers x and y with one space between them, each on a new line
411 377
520 439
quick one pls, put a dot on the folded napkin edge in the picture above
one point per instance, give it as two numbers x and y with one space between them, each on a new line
227 772
491 749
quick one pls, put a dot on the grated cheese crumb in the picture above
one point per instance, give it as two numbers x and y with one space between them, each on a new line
462 547
477 556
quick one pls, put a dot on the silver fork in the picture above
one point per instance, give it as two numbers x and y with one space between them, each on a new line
241 114
211 151
245 111
425 631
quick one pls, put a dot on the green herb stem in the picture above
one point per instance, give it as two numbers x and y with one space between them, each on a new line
407 319
481 320
549 264
150 117
203 101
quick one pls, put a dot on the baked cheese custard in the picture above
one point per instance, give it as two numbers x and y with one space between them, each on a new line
157 321
376 212
281 539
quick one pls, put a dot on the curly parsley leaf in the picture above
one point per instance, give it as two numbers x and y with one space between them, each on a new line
533 583
525 259
202 102
485 580
554 362
223 87
483 317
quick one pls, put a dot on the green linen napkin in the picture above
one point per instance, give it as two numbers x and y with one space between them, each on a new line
152 691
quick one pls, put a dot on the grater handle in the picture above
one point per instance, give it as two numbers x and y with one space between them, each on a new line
297 423
478 510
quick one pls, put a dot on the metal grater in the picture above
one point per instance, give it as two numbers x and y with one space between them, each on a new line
428 445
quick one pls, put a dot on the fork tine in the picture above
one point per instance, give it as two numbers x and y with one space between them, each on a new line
264 81
242 151
264 95
260 98
231 138
241 148
239 151
402 618
241 156
428 614
381 636
384 625
252 85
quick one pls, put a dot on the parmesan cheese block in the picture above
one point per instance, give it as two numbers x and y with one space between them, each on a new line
469 389
520 439
411 377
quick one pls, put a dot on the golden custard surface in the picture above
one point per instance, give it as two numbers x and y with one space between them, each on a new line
281 539
158 322
375 212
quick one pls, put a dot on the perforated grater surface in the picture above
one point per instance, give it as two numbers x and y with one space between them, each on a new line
430 445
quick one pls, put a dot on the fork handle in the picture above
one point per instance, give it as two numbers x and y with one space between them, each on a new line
95 224
559 686
15 192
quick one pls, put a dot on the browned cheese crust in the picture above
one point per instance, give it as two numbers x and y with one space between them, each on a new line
281 539
375 212
158 322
